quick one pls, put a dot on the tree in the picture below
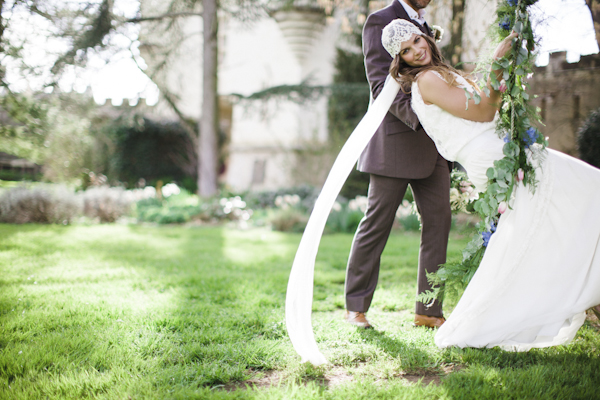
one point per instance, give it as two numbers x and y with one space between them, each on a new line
207 151
88 27
453 50
29 117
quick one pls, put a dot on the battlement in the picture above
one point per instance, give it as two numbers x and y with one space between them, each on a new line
558 63
141 102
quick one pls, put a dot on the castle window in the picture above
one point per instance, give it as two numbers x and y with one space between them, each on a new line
258 172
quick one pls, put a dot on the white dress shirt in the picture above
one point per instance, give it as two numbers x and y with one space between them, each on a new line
414 15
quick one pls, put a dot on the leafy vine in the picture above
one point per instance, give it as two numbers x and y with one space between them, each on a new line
523 144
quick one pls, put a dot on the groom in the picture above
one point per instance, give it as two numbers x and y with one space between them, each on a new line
400 153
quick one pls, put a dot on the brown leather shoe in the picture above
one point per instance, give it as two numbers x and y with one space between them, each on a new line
358 319
429 321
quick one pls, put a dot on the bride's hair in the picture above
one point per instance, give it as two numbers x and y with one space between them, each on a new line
406 74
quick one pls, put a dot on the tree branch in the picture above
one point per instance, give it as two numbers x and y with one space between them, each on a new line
165 16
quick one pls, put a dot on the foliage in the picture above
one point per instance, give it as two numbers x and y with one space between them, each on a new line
184 207
588 139
268 198
70 141
19 175
41 204
113 311
153 151
24 126
56 204
107 204
289 219
516 125
288 214
346 109
61 131
346 216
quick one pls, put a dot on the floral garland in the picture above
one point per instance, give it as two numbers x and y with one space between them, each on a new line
515 125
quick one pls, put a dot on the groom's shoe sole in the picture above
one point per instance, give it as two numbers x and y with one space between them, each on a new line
429 321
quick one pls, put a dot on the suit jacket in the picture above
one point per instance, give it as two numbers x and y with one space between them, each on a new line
400 148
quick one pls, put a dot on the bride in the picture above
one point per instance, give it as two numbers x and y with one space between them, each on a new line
541 268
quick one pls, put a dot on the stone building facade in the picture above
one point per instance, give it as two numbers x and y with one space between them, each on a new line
269 142
566 94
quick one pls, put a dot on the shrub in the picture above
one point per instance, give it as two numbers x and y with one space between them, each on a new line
183 207
408 216
105 203
155 150
289 219
588 139
40 204
344 217
266 199
174 209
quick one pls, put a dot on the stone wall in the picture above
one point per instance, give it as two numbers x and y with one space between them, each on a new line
567 93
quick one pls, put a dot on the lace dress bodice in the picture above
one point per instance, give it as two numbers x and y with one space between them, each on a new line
475 145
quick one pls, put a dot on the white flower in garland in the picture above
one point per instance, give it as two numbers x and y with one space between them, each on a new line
438 33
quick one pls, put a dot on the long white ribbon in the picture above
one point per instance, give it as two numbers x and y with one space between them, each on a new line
298 302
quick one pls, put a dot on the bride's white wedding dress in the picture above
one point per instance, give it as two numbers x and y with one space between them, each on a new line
541 269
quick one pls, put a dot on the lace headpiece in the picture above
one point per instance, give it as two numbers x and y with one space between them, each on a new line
396 32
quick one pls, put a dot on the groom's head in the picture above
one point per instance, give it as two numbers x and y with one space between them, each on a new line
418 4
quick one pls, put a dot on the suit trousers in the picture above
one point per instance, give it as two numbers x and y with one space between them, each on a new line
385 195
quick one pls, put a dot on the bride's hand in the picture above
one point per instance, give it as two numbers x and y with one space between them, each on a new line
504 46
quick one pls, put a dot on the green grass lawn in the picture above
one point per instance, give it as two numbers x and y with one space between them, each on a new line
139 312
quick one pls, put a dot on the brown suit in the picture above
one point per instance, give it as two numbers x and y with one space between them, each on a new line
399 154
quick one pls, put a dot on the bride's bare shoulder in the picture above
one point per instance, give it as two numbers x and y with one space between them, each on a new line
430 77
431 82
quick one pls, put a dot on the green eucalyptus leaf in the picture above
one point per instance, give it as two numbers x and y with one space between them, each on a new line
500 174
494 81
518 27
468 96
486 208
477 206
493 204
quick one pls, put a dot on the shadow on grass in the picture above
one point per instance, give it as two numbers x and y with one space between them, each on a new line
555 373
414 359
223 310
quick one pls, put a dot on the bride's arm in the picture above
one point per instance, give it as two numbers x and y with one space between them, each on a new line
435 90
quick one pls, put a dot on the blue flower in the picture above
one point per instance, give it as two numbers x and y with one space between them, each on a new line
507 137
487 235
486 238
512 3
531 137
505 24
